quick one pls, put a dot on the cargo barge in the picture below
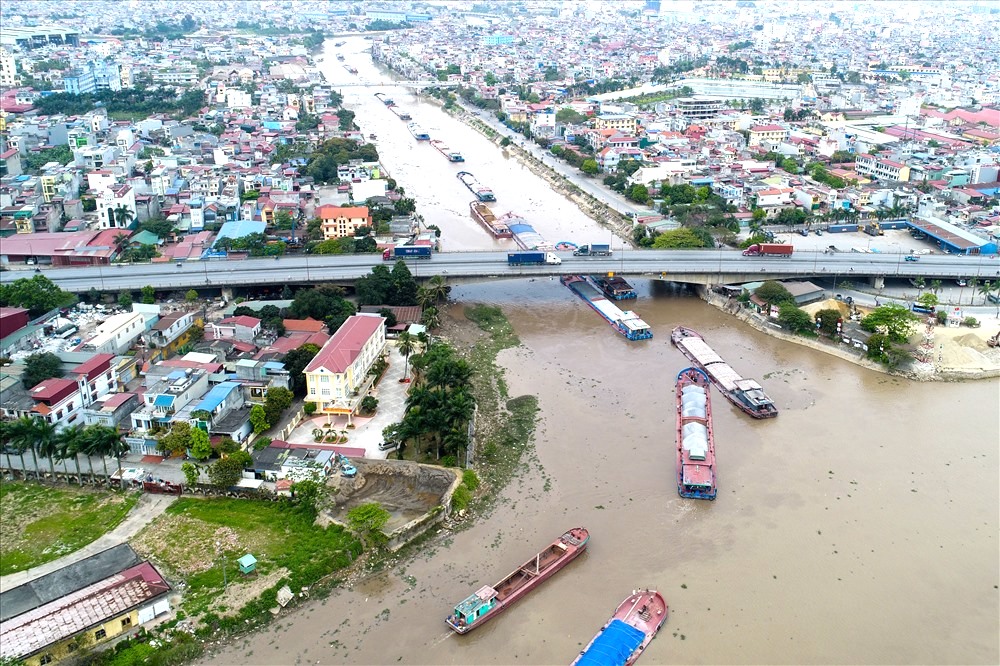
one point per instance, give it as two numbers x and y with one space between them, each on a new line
418 132
452 155
628 633
695 436
485 217
488 602
402 115
482 192
614 287
746 394
627 323
385 100
352 70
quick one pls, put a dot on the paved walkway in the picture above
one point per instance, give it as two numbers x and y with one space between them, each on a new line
367 433
146 509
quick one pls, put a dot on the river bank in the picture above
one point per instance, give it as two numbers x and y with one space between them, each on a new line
960 353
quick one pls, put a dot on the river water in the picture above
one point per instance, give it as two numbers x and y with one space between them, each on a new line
858 527
431 179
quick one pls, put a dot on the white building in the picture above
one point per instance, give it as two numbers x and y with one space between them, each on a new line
117 333
8 69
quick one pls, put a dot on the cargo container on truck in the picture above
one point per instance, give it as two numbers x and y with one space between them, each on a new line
407 252
768 250
532 258
592 250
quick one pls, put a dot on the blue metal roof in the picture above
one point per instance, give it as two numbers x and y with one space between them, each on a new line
613 646
216 396
176 374
241 228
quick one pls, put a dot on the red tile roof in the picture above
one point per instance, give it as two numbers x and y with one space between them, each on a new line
767 128
344 347
97 364
330 212
54 389
308 324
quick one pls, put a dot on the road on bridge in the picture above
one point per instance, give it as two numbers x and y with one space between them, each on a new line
675 265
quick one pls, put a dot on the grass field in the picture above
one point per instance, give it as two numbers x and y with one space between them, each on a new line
195 536
41 523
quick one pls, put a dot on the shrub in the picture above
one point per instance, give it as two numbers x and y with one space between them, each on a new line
309 408
460 500
470 479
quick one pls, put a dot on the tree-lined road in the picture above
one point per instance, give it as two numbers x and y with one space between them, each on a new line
702 266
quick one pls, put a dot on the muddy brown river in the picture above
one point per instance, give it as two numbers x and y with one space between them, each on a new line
859 527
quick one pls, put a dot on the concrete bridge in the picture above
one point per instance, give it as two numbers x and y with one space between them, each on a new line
397 84
704 267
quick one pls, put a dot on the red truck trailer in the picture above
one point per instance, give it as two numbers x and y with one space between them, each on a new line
768 250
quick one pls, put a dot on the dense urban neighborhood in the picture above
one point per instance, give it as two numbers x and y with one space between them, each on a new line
220 422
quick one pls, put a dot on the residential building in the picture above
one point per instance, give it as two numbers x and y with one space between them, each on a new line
773 134
343 221
57 401
337 377
881 169
169 333
164 400
83 616
112 202
8 69
96 377
116 333
620 122
243 328
111 410
698 108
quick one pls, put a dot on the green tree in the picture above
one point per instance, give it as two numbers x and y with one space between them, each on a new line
638 193
295 362
366 522
191 296
928 300
19 436
125 299
258 419
191 473
894 321
828 318
678 239
39 367
589 167
38 294
794 318
276 401
201 447
773 293
148 294
227 472
177 441
406 344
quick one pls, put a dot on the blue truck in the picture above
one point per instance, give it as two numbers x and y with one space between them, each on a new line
532 259
407 252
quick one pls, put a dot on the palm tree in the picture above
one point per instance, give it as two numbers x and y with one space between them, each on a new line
935 286
430 318
70 444
406 346
121 238
438 288
425 297
985 289
19 437
47 442
101 442
973 284
122 215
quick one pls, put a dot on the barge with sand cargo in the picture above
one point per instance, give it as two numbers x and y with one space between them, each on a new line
442 147
481 192
614 287
746 394
482 214
695 436
488 602
631 629
625 322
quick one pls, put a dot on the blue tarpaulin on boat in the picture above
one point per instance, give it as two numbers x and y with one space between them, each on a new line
613 647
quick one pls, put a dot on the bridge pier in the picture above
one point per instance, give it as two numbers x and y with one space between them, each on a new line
227 293
877 281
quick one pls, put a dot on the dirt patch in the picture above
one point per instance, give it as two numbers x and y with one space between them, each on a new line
188 546
244 590
407 490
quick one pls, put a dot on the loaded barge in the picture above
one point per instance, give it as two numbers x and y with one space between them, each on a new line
452 155
625 322
418 132
746 394
385 100
488 602
695 436
630 630
614 287
485 217
402 115
482 192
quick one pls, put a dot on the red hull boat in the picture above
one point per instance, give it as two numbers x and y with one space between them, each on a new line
622 640
488 602
695 437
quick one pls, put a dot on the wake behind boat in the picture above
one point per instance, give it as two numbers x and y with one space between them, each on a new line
489 602
632 627
695 436
746 394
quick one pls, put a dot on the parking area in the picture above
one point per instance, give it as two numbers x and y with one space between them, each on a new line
894 241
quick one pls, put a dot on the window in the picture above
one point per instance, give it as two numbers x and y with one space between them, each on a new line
126 622
324 379
325 391
312 390
45 659
100 634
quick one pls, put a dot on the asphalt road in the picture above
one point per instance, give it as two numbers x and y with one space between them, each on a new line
673 264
